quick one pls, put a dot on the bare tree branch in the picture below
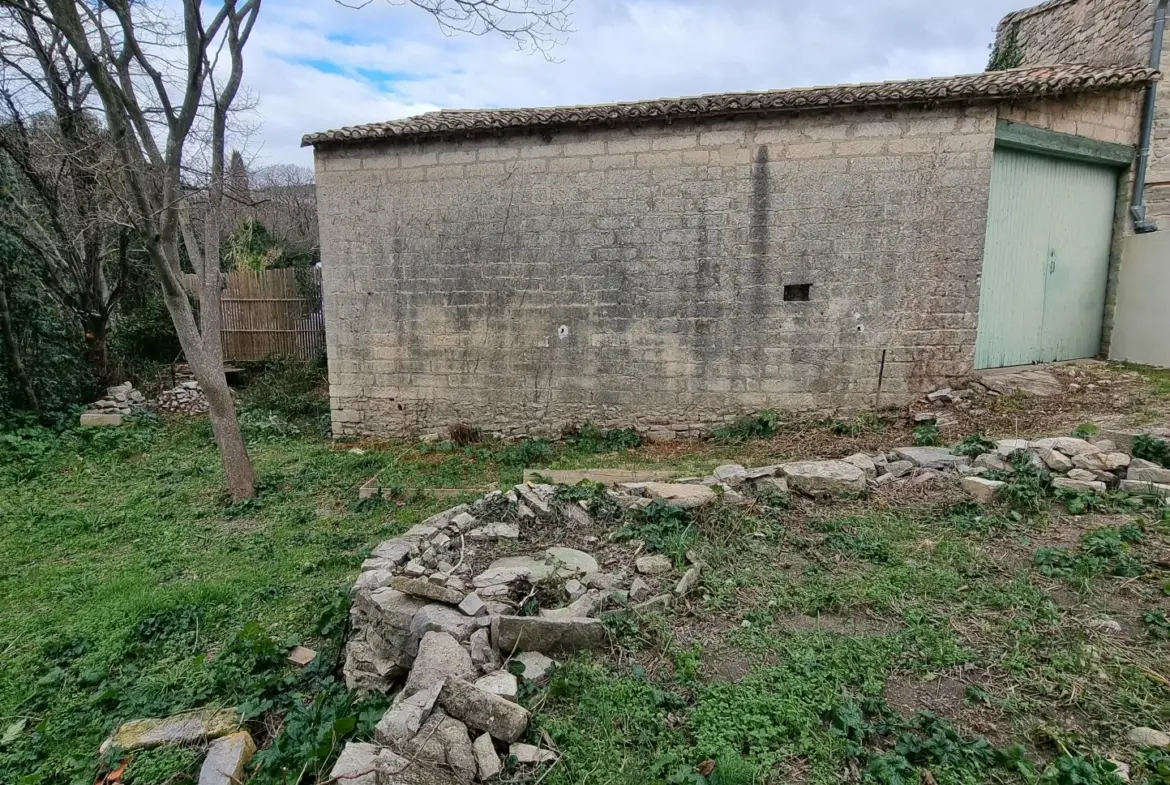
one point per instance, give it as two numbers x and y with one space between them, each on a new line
533 25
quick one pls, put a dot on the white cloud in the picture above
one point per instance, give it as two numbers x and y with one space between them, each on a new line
313 64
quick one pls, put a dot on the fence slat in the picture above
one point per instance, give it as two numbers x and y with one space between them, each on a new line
264 315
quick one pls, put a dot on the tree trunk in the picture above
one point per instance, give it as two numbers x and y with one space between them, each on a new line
207 364
97 342
12 353
237 466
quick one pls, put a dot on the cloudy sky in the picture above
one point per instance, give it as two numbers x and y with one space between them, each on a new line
314 64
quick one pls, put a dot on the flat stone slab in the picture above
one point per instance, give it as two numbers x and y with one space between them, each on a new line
549 636
226 758
190 728
420 587
572 560
393 608
486 759
1154 475
676 495
499 683
100 420
1040 383
1078 486
536 666
930 457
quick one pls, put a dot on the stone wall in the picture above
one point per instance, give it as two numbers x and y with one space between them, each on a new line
637 276
1108 32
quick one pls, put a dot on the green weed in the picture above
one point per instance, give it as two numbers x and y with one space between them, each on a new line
1152 448
1085 430
927 435
973 446
761 425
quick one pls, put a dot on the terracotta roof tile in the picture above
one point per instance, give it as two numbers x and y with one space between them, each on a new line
991 86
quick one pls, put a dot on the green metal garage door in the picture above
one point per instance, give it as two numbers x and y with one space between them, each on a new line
1046 259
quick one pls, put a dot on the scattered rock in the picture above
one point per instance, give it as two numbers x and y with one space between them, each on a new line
483 654
1148 737
357 765
301 656
550 636
733 474
1079 486
417 587
441 618
536 666
1156 489
185 729
404 719
821 478
487 762
457 749
472 605
499 683
676 495
770 485
496 531
574 588
688 581
653 564
484 711
930 457
394 551
394 608
440 657
1105 625
897 469
527 754
1065 444
1149 474
1082 475
863 462
940 396
1006 448
226 758
1120 769
1054 460
640 590
1115 461
981 490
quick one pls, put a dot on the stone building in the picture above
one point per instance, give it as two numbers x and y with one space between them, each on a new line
672 264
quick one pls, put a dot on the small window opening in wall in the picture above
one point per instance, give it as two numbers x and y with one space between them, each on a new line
797 292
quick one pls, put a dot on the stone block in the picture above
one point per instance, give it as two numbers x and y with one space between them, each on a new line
186 729
226 758
820 478
484 711
548 636
99 419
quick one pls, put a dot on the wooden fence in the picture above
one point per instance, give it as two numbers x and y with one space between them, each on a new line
266 315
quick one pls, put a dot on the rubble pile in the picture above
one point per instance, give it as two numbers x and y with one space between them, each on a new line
121 399
185 398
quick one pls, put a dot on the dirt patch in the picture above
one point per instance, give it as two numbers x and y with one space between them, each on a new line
946 695
854 624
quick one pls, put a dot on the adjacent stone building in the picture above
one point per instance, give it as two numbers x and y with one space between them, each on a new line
673 264
1103 32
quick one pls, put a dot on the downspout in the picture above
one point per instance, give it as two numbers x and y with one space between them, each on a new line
1141 224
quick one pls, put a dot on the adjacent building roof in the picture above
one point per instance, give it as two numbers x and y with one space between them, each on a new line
1019 83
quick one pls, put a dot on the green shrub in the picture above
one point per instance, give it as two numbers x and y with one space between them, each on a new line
927 435
761 425
1152 448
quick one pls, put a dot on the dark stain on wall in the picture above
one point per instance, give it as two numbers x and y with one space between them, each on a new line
758 234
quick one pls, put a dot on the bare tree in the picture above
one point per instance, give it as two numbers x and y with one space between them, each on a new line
60 173
156 111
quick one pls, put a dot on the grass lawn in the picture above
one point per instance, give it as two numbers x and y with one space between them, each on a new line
131 588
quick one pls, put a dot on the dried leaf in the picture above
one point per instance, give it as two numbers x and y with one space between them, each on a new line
705 768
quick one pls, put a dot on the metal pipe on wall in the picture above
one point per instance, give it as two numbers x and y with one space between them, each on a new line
1141 224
